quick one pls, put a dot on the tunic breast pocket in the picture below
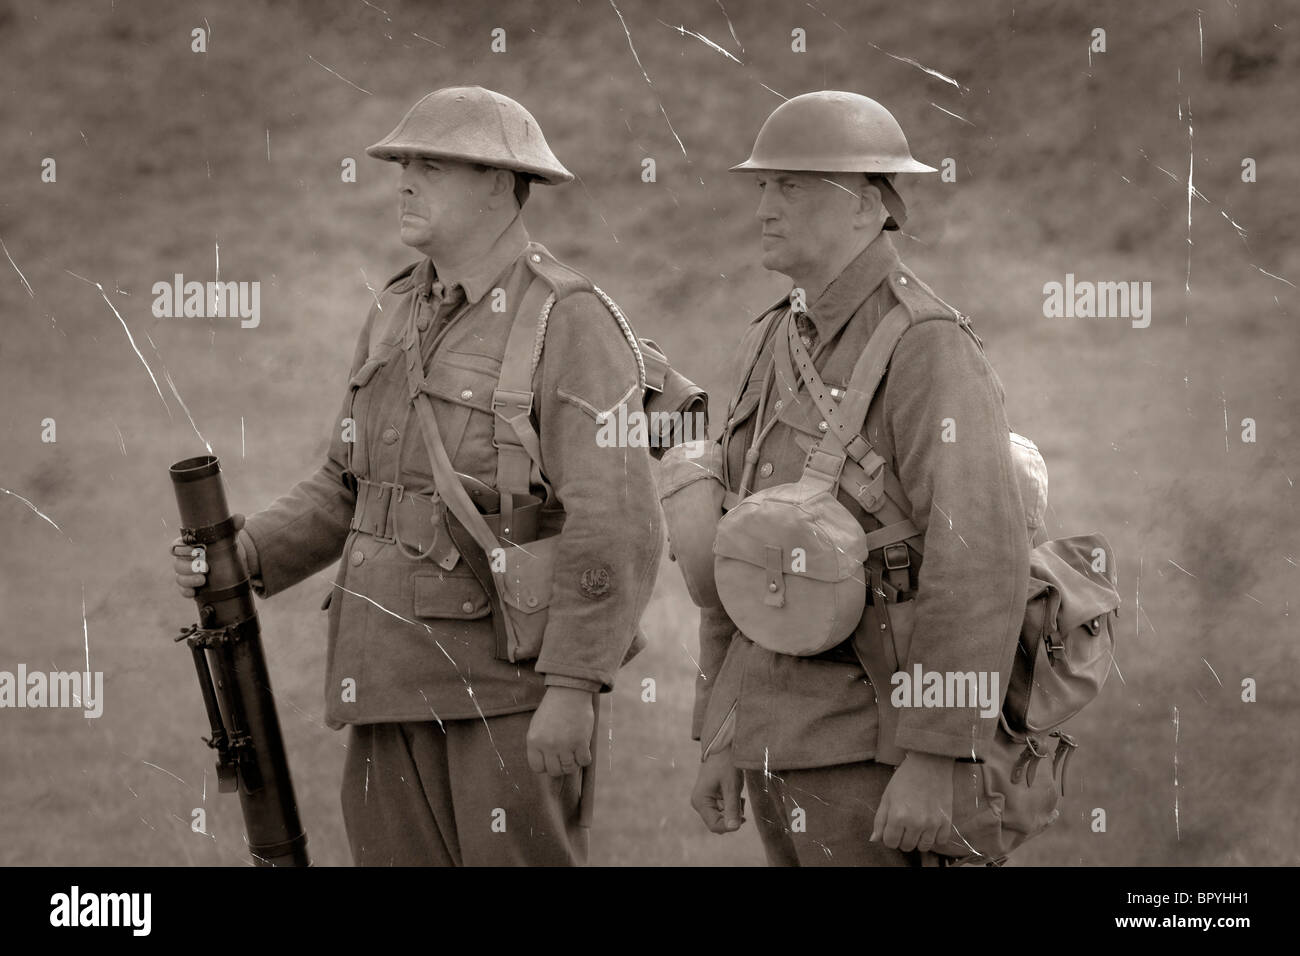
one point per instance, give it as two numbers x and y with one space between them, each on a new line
463 406
357 424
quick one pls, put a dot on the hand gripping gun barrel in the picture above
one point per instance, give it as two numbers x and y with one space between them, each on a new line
236 688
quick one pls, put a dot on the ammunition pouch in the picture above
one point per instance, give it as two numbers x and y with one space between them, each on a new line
518 579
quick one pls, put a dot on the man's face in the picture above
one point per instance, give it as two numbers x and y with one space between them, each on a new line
440 201
807 218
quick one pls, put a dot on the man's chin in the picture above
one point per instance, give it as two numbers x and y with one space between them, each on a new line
413 236
772 261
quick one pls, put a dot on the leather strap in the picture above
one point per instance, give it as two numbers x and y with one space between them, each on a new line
444 475
845 421
865 474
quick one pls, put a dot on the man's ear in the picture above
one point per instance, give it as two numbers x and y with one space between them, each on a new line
502 188
872 211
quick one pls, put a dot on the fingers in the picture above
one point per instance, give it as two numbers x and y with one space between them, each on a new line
893 833
583 754
882 815
536 761
732 804
186 577
888 826
708 806
907 841
925 841
718 802
945 833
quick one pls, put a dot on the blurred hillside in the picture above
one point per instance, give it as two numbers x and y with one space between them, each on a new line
1066 163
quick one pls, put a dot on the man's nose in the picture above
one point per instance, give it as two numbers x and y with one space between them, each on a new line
766 207
406 183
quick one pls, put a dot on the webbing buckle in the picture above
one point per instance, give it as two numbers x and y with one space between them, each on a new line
896 556
507 397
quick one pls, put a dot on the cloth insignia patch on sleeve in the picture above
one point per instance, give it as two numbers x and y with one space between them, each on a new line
596 582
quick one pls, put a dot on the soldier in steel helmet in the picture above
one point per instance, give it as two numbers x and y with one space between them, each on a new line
834 772
460 750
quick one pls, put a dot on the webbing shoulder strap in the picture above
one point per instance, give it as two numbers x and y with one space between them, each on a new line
516 441
843 455
519 449
844 421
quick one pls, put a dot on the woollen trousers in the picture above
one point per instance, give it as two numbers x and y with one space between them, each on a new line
456 794
838 805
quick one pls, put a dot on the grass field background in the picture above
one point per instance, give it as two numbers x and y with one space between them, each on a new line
1067 163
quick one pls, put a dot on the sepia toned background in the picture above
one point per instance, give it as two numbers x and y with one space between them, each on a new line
1066 163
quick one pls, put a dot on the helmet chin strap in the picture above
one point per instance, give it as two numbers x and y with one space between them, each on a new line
892 200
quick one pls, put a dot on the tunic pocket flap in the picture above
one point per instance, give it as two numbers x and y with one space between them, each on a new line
461 386
449 596
366 372
529 575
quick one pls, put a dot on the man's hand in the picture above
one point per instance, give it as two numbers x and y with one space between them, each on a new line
559 737
716 797
916 809
185 561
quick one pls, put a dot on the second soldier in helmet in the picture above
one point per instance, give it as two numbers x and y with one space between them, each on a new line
834 774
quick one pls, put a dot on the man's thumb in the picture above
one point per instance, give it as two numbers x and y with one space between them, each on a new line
731 802
238 521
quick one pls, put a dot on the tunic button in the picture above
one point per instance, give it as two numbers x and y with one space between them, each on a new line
778 405
390 435
357 558
467 607
765 470
532 602
902 280
772 586
422 323
467 394
536 257
806 341
822 426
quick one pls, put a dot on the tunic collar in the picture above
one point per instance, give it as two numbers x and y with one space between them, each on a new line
477 277
847 291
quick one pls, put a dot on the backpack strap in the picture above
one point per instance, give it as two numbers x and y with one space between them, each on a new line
519 449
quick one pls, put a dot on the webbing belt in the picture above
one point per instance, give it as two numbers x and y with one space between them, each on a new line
393 515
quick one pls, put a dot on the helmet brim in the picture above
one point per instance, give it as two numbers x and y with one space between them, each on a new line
859 165
394 152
